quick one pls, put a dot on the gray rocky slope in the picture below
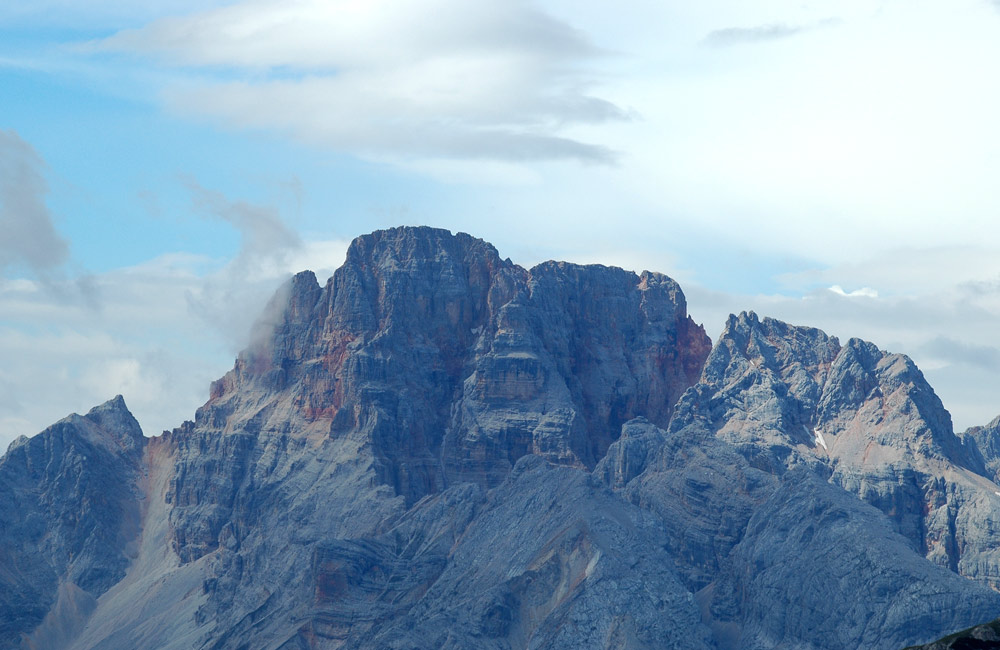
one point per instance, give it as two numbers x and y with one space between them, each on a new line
441 449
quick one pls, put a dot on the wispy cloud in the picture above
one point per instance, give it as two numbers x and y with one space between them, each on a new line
30 241
264 234
951 351
441 79
761 33
231 298
738 35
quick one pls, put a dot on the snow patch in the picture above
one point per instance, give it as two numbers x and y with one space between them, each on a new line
592 564
819 439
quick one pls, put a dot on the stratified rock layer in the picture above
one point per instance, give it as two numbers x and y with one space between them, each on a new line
441 449
425 362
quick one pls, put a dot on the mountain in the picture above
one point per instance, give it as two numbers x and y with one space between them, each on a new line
441 449
70 510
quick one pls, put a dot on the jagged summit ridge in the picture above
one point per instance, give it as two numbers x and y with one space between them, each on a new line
798 385
442 320
788 396
438 448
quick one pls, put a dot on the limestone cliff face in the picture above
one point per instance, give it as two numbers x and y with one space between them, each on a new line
441 449
791 396
427 361
802 481
69 515
456 363
983 443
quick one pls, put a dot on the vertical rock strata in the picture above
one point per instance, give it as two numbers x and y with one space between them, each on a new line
441 449
426 362
429 361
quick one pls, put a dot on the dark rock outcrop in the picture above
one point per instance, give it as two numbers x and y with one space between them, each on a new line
980 637
817 564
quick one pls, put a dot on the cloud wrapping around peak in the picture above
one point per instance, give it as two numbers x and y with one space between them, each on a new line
263 232
441 79
29 240
231 298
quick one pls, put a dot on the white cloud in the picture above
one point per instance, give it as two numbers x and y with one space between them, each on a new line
863 292
232 297
835 144
729 36
60 357
437 79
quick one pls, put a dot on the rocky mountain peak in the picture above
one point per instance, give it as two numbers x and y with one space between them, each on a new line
441 333
110 426
414 247
427 361
83 474
113 422
781 382
439 448
770 350
788 397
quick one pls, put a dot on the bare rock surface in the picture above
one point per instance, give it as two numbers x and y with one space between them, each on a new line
441 449
790 397
69 517
817 564
983 443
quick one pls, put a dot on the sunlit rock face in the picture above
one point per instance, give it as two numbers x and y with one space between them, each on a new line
788 396
442 363
441 449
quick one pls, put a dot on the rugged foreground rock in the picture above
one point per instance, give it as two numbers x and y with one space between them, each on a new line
441 449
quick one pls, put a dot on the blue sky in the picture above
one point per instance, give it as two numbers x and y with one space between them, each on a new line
168 163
